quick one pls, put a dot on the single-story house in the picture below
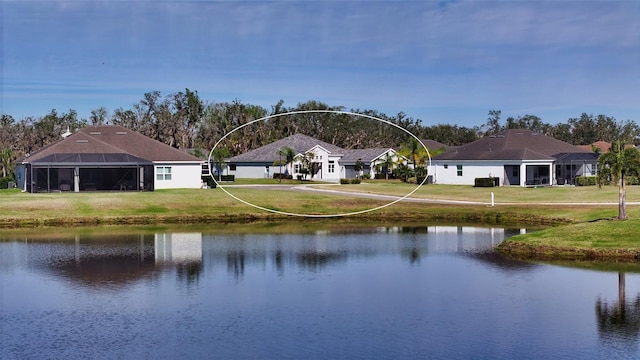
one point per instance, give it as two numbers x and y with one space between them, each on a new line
329 163
108 157
515 157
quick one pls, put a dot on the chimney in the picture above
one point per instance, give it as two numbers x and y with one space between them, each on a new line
67 133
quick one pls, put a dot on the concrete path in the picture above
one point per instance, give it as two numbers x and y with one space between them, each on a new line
313 188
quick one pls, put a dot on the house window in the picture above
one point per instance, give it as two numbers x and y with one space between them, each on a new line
446 166
232 167
163 173
296 168
459 169
332 166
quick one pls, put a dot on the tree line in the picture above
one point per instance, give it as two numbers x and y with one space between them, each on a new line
185 121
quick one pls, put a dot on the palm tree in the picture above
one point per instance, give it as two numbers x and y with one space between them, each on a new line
6 158
620 320
219 157
307 164
287 155
410 149
614 165
358 167
386 164
417 154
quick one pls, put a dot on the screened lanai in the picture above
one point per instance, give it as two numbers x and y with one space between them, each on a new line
571 165
87 172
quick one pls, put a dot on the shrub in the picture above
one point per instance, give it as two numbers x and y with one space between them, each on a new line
4 181
282 176
344 181
487 182
366 176
632 180
586 181
228 178
209 181
383 176
355 181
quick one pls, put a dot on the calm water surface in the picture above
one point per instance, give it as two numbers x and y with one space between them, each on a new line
432 292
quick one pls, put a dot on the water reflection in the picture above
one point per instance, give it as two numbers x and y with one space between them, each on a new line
619 322
120 260
377 292
113 261
317 260
235 262
182 250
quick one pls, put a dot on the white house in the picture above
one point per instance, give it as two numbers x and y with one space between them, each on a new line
515 157
328 162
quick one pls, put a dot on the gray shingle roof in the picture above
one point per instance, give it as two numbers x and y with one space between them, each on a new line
299 143
434 145
366 155
513 144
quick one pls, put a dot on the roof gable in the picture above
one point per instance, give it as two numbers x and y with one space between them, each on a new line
322 149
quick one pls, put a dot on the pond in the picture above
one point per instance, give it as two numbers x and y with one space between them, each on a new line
436 292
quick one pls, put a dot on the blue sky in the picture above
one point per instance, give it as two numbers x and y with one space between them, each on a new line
439 61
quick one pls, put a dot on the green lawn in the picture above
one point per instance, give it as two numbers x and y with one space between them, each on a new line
502 194
194 205
589 228
600 241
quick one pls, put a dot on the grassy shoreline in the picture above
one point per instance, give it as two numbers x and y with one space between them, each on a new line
214 206
606 240
577 219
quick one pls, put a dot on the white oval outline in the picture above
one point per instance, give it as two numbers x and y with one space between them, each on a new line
316 112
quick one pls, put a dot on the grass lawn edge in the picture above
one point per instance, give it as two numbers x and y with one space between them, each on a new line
604 240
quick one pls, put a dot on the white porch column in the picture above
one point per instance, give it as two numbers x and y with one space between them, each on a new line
76 179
